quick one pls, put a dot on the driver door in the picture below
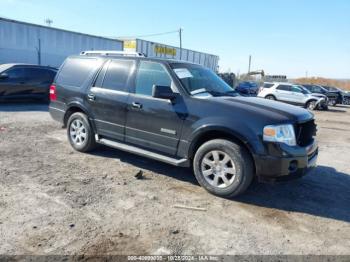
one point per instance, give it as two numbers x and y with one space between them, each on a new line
297 95
153 123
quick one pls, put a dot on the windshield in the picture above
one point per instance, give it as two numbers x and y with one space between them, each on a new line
4 67
198 80
305 91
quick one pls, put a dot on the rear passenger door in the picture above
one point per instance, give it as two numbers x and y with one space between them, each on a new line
108 97
153 123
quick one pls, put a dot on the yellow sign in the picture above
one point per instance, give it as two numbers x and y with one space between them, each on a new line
164 50
130 45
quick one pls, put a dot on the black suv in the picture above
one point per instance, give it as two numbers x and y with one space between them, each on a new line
25 82
182 114
333 97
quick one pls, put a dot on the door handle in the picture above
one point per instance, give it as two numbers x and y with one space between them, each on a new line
136 105
91 97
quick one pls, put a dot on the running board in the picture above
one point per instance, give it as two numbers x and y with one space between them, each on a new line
142 152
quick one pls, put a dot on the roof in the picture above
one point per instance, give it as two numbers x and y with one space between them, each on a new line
57 29
157 59
4 67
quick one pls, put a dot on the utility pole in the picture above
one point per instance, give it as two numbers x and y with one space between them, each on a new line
250 63
180 35
38 49
48 21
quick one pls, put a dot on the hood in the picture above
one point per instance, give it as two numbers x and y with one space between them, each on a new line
278 111
317 95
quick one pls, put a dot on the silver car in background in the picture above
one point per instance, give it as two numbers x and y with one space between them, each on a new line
293 94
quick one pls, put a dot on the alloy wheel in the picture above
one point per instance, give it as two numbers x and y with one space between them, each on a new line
218 169
78 132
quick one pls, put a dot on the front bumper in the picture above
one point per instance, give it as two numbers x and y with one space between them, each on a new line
286 162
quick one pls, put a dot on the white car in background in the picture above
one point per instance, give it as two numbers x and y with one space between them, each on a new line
293 94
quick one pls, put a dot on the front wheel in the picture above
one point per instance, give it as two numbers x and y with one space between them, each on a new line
223 168
311 105
79 132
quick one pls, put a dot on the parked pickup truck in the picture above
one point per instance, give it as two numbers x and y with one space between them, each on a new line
182 114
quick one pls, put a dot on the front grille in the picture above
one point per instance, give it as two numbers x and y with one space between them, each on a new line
305 132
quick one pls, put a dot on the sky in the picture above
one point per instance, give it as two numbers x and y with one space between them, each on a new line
290 37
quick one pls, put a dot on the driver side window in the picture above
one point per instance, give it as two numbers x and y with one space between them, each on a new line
296 89
149 74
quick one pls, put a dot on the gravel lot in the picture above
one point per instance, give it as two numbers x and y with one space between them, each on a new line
54 200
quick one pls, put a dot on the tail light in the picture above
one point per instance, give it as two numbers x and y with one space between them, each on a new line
53 94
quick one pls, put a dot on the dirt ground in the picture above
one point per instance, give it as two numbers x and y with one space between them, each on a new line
54 200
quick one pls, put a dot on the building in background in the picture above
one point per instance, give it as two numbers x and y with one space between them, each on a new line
275 78
22 42
152 49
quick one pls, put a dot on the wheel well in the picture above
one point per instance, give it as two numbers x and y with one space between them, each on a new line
69 112
270 95
310 100
210 135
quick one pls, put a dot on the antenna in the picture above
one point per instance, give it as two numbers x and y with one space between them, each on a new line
48 21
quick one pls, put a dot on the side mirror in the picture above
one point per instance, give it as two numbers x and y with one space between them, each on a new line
4 76
163 92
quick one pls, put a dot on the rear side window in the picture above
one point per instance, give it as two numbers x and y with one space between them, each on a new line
267 85
16 73
283 87
76 70
149 74
117 74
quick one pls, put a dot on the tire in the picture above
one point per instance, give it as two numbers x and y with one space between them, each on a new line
270 97
311 105
80 134
332 102
237 168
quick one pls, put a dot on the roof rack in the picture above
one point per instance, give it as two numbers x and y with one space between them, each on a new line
112 53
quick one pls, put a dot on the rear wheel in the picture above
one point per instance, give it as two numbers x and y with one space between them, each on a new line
270 97
223 168
79 132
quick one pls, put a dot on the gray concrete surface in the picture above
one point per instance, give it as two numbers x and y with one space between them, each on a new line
54 200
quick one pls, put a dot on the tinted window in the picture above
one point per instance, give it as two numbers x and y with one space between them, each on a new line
76 70
150 74
117 74
316 89
267 85
17 72
283 87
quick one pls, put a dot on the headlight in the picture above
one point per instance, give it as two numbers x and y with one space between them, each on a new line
280 133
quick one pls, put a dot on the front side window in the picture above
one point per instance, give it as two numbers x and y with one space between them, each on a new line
117 75
296 89
317 89
197 80
149 74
